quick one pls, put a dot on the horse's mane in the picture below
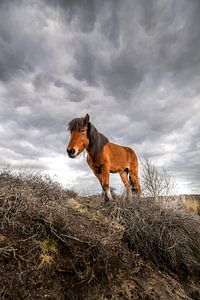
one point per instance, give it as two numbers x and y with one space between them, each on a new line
96 139
76 124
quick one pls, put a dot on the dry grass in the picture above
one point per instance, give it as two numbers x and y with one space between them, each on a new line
193 205
54 243
49 251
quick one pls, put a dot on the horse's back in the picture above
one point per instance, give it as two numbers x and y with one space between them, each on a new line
115 149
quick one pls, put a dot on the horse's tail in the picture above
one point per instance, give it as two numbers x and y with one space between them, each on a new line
132 184
131 181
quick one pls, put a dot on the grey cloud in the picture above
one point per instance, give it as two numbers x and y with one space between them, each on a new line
17 53
84 69
75 94
157 38
85 12
133 65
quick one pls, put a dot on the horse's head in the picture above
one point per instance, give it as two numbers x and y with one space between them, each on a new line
79 140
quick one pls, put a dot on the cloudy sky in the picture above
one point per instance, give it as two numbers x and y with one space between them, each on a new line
133 65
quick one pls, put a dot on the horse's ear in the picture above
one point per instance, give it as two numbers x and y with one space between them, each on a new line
86 119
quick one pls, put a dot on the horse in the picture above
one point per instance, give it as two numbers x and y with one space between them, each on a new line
104 157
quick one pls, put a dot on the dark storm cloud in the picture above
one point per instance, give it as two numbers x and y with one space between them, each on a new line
145 37
17 44
133 65
83 10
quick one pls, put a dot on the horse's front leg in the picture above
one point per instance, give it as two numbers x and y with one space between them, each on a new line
105 174
99 177
96 171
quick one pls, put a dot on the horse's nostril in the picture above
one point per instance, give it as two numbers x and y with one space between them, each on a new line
72 151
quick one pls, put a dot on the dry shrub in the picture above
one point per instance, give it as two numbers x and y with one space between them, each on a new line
169 238
155 181
48 243
28 198
52 245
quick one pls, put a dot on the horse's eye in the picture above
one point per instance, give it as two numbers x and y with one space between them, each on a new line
83 130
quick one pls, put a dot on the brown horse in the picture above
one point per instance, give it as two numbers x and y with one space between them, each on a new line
103 157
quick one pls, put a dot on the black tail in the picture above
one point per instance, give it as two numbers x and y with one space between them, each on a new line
132 184
131 181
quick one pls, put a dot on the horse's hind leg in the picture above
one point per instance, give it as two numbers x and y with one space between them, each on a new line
124 178
134 181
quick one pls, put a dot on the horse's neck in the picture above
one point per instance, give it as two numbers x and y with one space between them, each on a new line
96 142
89 152
91 156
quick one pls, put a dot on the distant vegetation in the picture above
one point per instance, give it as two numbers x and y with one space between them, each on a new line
159 185
55 244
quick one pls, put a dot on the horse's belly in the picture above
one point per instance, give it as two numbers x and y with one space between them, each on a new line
114 171
119 165
118 169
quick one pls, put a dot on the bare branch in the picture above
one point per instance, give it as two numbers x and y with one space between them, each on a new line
156 181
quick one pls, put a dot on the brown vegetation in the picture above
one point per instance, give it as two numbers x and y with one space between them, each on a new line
191 203
57 245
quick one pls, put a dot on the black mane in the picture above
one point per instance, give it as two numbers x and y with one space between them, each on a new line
76 124
96 139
